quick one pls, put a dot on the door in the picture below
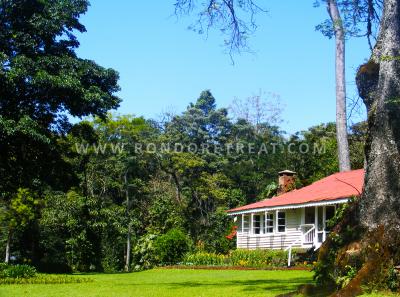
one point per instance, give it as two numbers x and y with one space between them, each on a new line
309 215
309 223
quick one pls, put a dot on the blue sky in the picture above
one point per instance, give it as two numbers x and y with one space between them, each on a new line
164 65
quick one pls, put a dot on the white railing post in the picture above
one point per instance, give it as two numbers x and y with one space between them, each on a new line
298 240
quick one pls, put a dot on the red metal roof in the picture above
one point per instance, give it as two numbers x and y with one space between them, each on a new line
336 186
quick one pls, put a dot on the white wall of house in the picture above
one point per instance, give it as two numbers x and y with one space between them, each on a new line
282 233
283 228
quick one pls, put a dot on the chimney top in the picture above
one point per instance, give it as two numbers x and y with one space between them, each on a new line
286 172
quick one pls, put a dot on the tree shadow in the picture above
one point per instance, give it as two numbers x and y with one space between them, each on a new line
253 285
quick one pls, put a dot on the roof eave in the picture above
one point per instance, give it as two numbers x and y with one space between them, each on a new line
291 206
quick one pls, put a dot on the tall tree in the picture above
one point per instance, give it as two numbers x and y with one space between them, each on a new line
378 82
373 222
16 215
347 18
341 114
42 82
128 168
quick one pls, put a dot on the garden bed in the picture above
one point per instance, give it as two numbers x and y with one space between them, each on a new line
205 267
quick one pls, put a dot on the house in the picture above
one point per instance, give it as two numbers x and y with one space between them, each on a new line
295 218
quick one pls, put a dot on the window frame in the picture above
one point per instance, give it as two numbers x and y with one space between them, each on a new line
278 225
246 223
260 224
268 220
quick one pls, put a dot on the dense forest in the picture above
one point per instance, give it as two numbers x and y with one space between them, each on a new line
95 194
106 179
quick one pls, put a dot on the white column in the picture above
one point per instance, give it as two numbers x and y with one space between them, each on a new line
316 226
302 222
324 222
242 223
252 223
303 216
265 222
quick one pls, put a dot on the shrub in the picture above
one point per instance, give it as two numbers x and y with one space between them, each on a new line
244 258
143 255
205 259
17 271
170 247
259 258
393 279
45 279
213 238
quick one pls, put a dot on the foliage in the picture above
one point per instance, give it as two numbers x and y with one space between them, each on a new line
42 83
21 209
260 258
143 255
164 212
393 279
16 271
42 80
204 259
360 18
344 231
170 247
244 258
72 194
65 215
343 280
355 260
45 279
320 159
85 227
214 237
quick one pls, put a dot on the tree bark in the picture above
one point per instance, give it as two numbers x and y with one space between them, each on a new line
128 249
8 244
128 237
378 82
341 114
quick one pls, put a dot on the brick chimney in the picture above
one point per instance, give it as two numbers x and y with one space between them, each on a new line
286 181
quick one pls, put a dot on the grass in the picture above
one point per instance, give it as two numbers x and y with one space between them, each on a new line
172 283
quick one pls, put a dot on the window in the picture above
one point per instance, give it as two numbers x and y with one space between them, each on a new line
257 224
269 223
281 221
246 224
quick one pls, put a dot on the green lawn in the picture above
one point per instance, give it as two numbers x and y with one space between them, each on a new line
174 283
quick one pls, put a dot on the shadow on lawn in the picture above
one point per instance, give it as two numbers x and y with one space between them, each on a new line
252 285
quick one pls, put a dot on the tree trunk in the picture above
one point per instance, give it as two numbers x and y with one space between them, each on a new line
128 237
7 259
341 116
128 249
378 82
